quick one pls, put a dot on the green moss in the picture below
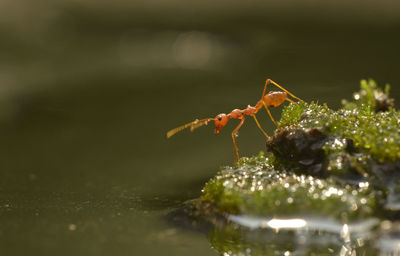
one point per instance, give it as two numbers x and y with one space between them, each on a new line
261 190
371 95
375 132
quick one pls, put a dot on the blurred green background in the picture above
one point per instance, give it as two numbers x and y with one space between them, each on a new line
88 90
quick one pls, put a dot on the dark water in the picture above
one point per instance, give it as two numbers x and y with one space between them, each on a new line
88 90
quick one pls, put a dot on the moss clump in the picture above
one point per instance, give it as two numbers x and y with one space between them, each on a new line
371 95
255 187
374 132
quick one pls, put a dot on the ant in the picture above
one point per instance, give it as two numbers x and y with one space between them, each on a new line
272 99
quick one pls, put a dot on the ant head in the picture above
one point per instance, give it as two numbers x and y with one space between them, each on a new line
220 121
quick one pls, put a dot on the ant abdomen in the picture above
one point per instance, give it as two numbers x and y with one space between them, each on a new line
274 99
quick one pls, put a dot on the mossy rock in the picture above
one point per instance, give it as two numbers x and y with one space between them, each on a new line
255 187
336 164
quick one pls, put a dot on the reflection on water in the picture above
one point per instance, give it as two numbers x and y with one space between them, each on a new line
331 226
351 236
309 236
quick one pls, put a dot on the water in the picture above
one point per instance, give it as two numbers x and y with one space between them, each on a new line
88 91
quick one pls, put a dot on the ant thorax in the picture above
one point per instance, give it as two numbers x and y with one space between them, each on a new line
236 113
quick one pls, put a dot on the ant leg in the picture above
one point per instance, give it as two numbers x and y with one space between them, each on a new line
280 87
270 115
234 135
259 126
290 100
265 88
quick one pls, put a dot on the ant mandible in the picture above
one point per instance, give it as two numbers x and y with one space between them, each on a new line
272 99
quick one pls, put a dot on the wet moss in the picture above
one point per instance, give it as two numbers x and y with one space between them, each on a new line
372 130
371 95
320 162
261 190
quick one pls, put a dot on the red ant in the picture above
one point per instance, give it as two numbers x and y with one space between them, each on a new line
272 99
